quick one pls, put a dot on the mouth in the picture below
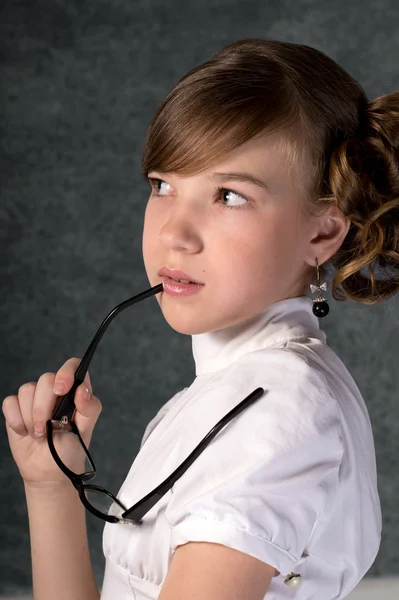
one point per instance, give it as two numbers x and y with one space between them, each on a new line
178 276
179 280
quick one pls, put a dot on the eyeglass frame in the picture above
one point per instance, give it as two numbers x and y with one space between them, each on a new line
63 414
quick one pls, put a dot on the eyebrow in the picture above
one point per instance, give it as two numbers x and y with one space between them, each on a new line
239 177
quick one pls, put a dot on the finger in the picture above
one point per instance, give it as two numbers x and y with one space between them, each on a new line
43 403
45 399
13 416
65 377
88 409
26 394
87 404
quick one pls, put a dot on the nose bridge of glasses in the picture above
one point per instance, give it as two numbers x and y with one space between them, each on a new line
62 425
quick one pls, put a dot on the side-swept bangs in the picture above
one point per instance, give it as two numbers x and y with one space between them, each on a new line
217 107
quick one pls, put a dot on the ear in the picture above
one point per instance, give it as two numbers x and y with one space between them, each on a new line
329 232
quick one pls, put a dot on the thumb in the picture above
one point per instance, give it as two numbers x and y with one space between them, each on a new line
88 409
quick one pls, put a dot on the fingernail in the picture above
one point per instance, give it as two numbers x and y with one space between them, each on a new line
59 388
87 394
39 429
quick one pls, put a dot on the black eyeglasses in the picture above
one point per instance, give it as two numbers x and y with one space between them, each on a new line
73 458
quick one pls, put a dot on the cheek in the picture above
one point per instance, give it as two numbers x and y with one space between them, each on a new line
267 247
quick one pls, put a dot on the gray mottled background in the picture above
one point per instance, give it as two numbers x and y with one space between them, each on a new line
80 83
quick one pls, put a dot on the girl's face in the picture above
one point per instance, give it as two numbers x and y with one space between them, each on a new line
246 243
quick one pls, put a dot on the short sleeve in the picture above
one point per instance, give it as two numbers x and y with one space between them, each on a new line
160 415
266 479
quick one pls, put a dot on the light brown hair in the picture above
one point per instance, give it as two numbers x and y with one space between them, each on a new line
347 146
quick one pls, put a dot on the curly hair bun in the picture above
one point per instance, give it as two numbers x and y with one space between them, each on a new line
364 178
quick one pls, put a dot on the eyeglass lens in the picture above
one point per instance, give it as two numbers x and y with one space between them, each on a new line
74 457
70 451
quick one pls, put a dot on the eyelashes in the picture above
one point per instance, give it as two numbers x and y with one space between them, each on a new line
154 181
222 190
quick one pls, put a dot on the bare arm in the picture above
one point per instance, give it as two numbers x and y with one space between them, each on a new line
59 546
202 570
60 554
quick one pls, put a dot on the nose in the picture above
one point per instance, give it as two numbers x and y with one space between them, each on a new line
181 231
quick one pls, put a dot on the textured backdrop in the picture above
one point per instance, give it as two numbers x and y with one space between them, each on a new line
82 81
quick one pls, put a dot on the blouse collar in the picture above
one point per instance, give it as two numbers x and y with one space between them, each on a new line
282 321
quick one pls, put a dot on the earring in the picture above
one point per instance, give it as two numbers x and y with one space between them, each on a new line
320 305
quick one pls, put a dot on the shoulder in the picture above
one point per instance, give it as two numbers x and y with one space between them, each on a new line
298 410
287 372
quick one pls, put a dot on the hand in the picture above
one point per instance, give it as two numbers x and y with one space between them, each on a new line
30 410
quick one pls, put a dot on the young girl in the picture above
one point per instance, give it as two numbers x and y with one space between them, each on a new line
266 163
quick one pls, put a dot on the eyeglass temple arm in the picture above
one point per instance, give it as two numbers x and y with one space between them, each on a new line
65 406
138 510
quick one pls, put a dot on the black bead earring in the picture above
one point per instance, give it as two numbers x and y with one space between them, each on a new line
320 305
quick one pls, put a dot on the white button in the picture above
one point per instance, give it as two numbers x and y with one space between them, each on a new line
293 580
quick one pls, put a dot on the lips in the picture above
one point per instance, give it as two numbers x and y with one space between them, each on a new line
178 275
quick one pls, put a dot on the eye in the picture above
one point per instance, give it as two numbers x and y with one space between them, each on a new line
236 200
156 185
228 198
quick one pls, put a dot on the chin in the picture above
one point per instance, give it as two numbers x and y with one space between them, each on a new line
184 321
193 318
185 327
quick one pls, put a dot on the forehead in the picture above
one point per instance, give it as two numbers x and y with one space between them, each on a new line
273 158
258 149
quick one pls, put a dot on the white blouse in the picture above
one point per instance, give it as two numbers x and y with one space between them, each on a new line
291 480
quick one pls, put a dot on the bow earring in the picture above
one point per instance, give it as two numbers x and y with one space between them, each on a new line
320 305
